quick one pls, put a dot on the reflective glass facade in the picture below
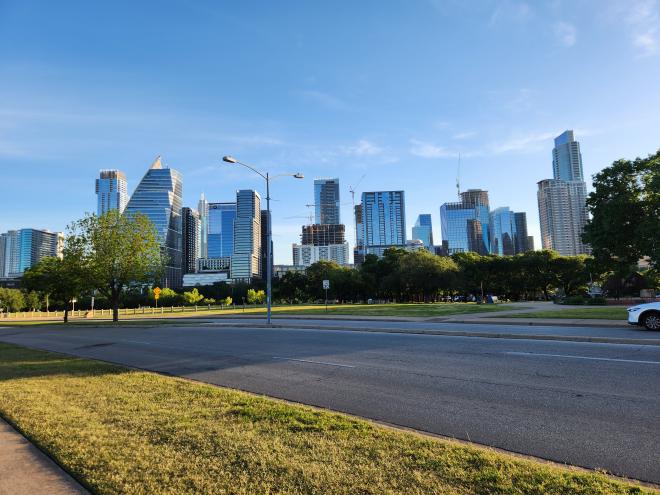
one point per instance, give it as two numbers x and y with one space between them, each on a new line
566 158
246 259
423 230
203 210
159 197
465 224
22 249
326 201
502 232
383 221
221 218
111 191
191 237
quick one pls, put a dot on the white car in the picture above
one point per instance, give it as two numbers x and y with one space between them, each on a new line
647 315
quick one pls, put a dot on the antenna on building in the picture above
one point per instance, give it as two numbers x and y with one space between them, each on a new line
458 177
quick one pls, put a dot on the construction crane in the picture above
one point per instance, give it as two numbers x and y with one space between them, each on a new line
458 177
352 189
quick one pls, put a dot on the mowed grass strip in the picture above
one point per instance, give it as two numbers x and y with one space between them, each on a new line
409 309
604 313
123 431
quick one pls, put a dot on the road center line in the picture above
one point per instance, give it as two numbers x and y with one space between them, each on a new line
314 362
581 357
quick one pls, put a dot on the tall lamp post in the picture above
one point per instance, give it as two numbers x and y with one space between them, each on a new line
269 234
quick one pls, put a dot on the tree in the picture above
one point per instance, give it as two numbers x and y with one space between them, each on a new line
625 208
33 300
192 297
119 250
572 273
64 278
255 296
11 299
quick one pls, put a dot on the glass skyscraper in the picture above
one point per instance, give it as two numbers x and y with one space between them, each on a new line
521 239
190 242
22 249
465 224
423 230
221 218
111 191
502 228
562 201
159 197
383 221
326 201
203 210
246 258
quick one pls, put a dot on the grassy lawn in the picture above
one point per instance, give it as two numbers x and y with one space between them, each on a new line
424 310
127 432
604 313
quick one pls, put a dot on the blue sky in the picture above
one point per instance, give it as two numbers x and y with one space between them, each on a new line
383 92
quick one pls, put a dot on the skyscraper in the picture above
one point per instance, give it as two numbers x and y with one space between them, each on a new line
24 248
383 221
159 197
563 215
465 224
221 218
562 201
326 201
321 242
190 227
566 158
245 260
423 230
521 239
111 191
358 251
203 210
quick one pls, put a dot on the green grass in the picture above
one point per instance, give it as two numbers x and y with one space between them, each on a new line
421 310
124 431
604 313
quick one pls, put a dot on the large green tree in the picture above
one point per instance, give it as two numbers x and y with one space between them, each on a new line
625 209
119 251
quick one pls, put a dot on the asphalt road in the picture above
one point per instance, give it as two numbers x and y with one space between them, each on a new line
586 404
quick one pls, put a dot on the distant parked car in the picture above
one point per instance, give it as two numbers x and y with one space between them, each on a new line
647 315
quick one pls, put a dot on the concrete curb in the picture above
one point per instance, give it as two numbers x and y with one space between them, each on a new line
460 333
542 322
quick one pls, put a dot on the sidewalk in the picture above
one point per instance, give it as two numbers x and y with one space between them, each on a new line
25 470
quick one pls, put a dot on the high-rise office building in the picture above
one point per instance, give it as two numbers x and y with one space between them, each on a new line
358 250
562 201
246 258
566 158
326 201
521 239
563 215
465 224
203 210
111 191
24 248
190 228
423 230
383 221
221 218
159 197
502 227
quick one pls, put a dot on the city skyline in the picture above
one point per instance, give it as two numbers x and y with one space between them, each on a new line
393 114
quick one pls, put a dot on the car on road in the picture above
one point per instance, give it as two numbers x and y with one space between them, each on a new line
647 315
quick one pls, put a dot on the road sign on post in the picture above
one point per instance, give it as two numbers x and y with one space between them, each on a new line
326 286
157 292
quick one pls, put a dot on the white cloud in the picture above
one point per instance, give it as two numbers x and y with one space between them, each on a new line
643 20
565 33
526 142
511 11
324 99
429 150
363 148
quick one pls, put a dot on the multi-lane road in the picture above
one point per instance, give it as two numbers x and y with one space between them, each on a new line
594 405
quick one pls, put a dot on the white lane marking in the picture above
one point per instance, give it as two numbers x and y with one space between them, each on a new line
314 362
583 357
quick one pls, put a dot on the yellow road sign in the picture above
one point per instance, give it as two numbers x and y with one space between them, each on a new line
157 292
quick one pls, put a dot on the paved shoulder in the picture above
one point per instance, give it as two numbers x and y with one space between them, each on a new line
25 470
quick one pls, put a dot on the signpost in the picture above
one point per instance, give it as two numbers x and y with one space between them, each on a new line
156 294
326 286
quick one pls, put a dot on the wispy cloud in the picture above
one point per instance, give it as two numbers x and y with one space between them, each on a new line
523 142
643 20
565 33
425 149
363 147
323 99
511 11
464 135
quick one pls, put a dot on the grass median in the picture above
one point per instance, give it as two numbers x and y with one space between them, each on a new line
123 431
604 313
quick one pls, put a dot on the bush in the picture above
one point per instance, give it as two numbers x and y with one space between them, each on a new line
574 300
598 301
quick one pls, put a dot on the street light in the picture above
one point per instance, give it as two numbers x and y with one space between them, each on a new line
269 234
